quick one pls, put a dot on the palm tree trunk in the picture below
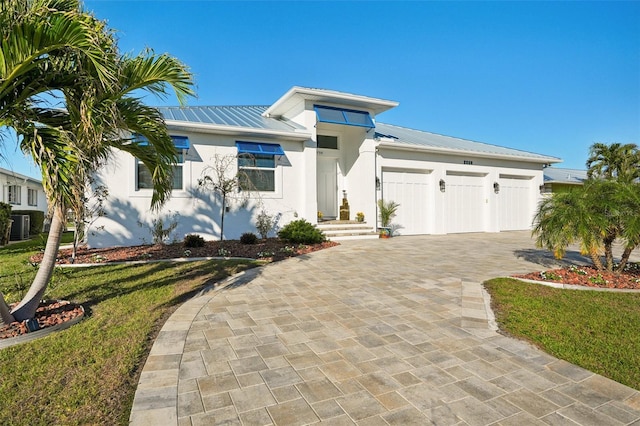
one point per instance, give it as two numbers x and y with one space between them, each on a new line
26 309
608 253
625 258
595 258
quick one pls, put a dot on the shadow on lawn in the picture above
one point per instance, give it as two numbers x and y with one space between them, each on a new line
209 273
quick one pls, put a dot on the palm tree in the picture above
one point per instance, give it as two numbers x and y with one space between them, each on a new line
615 161
594 215
70 145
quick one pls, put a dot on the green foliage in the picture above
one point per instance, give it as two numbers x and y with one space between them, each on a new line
5 216
264 223
36 220
193 240
248 238
592 329
301 232
88 373
161 228
387 211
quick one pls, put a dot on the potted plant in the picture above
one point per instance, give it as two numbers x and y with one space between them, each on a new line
360 217
387 211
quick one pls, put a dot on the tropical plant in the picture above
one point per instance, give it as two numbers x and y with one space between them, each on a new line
595 216
97 85
387 211
615 161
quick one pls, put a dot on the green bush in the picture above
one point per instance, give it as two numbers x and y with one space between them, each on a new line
5 215
301 232
36 220
193 240
248 238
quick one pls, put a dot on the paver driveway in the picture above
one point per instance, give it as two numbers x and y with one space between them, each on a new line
370 332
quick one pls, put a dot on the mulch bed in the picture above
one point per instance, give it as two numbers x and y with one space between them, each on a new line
48 314
272 249
53 313
590 277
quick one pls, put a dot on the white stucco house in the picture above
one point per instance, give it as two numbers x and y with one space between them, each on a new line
22 192
308 149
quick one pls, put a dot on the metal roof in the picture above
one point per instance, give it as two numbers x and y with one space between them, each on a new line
558 175
251 117
426 140
235 116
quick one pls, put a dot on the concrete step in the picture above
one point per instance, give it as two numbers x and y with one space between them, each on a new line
337 230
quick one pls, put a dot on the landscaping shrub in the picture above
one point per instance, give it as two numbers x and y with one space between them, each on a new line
301 232
36 220
248 238
5 216
193 240
264 223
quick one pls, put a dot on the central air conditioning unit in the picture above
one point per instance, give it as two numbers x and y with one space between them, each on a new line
20 227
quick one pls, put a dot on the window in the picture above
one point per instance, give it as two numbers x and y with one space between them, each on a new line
327 142
32 197
15 192
143 174
257 165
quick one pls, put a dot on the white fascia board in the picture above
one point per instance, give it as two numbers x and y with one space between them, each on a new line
404 147
375 104
234 130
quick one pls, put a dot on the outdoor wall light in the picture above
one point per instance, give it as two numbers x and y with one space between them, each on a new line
496 187
443 185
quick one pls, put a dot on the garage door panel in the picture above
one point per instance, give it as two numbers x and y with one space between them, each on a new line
410 189
514 204
464 203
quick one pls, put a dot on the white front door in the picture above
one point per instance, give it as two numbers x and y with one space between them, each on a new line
328 187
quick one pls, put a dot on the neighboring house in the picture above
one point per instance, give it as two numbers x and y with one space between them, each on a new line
304 153
557 179
22 192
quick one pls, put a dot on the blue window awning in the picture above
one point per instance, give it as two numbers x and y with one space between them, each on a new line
344 116
259 148
180 142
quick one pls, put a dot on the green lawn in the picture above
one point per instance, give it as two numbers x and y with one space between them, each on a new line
599 331
88 373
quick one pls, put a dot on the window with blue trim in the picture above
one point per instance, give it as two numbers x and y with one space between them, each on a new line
257 165
349 117
143 174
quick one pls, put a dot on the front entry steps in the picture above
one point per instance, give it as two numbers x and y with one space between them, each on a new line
337 230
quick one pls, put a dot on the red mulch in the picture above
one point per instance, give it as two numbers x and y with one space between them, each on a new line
271 249
53 313
590 277
48 314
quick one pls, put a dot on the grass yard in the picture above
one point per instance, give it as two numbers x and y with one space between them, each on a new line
88 373
599 331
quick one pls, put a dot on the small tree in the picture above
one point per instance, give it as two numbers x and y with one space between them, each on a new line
220 179
161 228
85 214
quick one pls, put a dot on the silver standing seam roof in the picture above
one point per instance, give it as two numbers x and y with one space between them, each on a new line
251 117
559 175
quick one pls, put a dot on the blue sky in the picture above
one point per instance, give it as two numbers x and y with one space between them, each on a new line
546 77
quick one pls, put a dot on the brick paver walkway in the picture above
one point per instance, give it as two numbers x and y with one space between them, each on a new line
370 332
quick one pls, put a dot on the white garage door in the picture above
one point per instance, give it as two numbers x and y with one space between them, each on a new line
514 203
465 202
410 189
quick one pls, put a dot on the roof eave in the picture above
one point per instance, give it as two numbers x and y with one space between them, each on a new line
235 130
405 147
376 105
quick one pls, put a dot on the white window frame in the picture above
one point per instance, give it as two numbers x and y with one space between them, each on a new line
14 194
32 197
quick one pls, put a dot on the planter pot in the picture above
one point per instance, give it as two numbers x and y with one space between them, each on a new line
384 232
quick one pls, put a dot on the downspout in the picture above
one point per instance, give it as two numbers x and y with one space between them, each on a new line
375 184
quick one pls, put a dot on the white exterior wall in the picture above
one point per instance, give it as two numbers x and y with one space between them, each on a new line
198 210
